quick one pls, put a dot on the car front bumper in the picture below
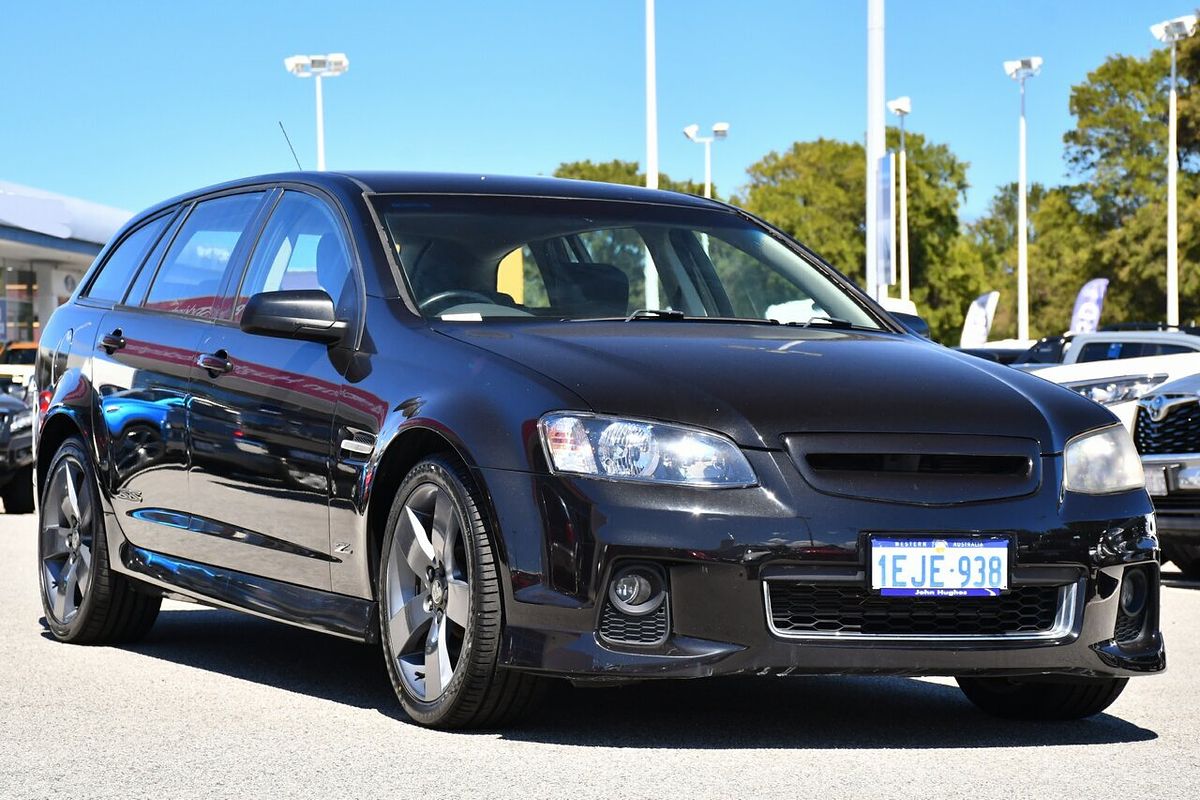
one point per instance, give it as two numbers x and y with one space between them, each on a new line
1178 510
722 552
16 452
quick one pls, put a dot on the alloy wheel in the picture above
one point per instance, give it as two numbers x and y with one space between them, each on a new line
66 541
428 591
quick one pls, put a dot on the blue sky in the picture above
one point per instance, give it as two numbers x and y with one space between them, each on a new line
127 103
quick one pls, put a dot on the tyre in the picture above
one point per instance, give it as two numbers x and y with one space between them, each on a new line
1186 557
18 492
85 602
441 614
1042 699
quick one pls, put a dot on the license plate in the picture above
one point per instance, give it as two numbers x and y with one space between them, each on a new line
1156 481
945 567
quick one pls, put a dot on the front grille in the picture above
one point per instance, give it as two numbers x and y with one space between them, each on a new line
798 610
1177 432
921 463
650 629
922 469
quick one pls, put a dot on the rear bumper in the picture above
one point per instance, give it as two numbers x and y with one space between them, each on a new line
720 559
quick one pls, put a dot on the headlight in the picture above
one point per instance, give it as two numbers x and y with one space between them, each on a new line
1102 462
1116 390
20 421
640 450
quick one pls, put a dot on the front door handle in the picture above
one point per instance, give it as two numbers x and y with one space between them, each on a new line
214 364
112 342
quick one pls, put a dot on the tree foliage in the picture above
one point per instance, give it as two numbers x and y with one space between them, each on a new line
1109 222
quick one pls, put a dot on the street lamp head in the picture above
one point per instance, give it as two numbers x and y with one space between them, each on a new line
901 106
691 131
721 130
1173 30
1023 68
326 66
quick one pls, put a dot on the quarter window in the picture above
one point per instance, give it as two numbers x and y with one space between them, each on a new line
190 276
117 271
300 248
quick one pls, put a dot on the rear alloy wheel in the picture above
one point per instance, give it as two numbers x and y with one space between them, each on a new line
440 607
1042 699
84 601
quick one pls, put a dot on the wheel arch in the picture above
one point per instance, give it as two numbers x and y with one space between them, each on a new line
410 446
55 430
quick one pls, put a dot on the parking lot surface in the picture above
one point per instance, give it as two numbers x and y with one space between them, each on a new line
216 704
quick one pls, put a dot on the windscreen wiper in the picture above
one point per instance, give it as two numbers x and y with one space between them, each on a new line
827 322
655 313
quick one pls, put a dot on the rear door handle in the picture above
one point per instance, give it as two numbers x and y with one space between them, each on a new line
214 364
111 342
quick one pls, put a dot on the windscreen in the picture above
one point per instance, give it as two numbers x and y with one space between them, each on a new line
481 257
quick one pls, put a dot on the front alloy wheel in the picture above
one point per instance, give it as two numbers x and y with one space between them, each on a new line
440 605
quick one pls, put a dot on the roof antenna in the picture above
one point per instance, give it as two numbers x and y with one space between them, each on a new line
287 139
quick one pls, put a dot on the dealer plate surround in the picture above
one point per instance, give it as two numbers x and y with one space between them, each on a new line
939 566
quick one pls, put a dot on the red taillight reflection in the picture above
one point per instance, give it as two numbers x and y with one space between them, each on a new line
43 401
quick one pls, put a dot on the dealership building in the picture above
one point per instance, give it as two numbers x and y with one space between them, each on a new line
47 241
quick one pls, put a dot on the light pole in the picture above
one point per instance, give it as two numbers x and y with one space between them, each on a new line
649 273
318 67
1171 32
902 107
1019 70
719 131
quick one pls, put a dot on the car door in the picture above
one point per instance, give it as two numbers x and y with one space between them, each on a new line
143 366
262 413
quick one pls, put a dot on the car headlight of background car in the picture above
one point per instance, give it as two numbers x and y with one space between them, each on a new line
1116 390
641 450
1102 462
20 421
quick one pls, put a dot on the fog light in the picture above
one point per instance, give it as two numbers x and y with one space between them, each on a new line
1134 591
637 590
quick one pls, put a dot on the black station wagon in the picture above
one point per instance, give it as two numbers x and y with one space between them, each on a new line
516 429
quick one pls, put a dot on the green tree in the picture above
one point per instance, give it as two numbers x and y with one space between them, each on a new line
628 173
814 191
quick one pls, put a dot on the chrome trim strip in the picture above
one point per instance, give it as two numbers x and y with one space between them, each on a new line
1065 624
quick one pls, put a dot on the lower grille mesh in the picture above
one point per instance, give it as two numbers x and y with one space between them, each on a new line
800 609
626 629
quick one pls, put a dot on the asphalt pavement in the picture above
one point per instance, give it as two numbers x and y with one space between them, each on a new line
217 704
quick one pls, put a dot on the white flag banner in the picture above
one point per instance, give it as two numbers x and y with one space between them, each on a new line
1088 305
978 323
885 249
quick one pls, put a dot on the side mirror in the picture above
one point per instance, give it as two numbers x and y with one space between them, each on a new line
294 314
912 323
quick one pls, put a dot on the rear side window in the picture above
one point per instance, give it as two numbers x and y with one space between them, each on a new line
117 271
1108 351
189 279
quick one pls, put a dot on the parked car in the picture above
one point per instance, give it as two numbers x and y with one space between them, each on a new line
1167 433
547 428
1107 345
1119 384
16 454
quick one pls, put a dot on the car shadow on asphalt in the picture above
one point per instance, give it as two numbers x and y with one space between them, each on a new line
717 713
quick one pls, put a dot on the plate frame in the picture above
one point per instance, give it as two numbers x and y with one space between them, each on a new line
870 538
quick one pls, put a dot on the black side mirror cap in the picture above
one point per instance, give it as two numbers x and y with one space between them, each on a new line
912 323
294 314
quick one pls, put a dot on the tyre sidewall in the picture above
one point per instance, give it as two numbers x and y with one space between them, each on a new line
443 474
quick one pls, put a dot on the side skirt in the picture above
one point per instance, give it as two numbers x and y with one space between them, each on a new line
340 615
